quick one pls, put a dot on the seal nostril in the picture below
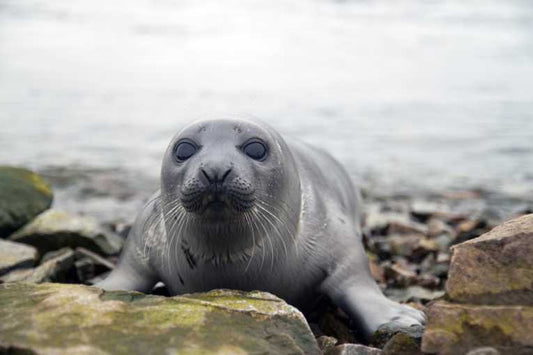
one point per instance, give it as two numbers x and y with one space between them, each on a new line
214 179
225 175
207 176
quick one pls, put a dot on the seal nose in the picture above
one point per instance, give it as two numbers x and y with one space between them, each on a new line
215 176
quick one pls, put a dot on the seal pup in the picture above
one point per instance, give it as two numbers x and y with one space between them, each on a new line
239 207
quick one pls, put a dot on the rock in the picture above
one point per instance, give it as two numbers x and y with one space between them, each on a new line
353 349
23 195
404 245
377 221
396 227
53 230
443 242
378 273
16 275
470 229
326 343
16 255
54 268
485 350
456 328
413 294
424 210
85 269
62 319
428 280
438 227
405 337
400 274
380 246
403 344
412 246
496 268
337 324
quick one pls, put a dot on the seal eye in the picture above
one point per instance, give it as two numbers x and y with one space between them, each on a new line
184 151
255 150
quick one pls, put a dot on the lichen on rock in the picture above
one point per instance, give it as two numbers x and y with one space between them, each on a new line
495 268
23 195
56 318
457 328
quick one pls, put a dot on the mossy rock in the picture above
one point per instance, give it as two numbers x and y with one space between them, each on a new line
495 268
23 195
67 319
457 328
54 229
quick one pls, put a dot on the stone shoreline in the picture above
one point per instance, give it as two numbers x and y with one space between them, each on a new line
410 247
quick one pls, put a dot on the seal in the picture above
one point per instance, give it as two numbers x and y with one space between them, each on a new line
239 207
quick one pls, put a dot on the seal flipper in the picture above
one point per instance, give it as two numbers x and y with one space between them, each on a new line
126 278
354 291
133 271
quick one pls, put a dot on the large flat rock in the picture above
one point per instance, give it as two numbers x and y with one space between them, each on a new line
495 268
76 319
23 195
458 328
54 230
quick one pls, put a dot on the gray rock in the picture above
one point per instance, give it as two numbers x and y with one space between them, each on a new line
16 255
413 294
438 227
54 268
23 195
68 319
53 230
353 349
377 221
326 343
404 336
486 350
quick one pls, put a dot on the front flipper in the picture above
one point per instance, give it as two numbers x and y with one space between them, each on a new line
133 271
354 290
126 278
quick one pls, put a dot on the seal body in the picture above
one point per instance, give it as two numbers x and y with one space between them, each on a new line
241 208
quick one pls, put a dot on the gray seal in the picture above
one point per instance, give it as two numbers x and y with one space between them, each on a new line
241 208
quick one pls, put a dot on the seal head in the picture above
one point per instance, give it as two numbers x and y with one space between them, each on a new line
217 180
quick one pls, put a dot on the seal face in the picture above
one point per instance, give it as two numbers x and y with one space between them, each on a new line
222 183
241 208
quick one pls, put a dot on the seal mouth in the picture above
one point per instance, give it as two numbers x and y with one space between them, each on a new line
218 199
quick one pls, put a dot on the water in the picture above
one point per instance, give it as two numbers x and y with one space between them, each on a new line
412 97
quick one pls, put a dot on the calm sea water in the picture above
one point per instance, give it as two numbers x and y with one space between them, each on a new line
411 96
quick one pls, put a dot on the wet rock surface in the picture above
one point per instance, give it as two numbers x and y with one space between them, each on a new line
67 319
23 195
53 230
